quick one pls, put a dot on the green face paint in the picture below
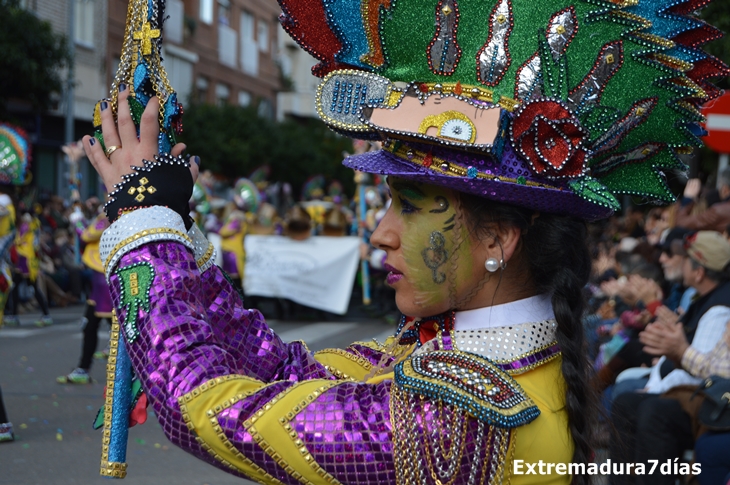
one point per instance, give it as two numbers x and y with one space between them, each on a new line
436 246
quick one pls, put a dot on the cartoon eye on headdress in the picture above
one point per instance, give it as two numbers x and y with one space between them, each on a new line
450 125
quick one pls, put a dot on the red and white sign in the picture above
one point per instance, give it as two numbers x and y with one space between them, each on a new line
717 113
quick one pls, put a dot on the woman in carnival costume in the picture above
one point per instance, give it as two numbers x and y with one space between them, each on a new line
98 303
246 199
506 125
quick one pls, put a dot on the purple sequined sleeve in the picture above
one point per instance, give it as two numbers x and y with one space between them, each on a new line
215 374
228 390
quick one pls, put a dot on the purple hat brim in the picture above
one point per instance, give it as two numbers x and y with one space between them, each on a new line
559 200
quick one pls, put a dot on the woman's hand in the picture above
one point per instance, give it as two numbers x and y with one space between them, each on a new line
123 135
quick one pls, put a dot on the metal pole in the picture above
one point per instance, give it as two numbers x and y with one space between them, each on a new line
722 165
70 81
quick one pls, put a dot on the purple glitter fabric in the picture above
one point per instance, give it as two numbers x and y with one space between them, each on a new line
197 330
100 293
558 200
230 264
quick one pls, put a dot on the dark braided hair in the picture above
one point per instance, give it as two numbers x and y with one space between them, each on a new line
556 256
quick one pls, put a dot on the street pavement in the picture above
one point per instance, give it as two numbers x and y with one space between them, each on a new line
55 443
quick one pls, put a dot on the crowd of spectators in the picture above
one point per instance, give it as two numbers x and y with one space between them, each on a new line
658 327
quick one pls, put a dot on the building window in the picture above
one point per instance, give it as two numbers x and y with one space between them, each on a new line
84 22
263 35
224 12
201 89
206 11
174 24
266 109
222 94
249 46
180 74
227 41
244 98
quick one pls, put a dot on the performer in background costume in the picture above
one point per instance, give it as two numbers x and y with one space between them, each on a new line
507 125
98 303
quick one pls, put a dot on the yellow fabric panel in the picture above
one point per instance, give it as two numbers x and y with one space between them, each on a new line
272 431
200 409
91 233
232 242
7 222
547 438
92 257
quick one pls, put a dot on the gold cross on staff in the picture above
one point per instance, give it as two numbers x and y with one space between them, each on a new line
146 35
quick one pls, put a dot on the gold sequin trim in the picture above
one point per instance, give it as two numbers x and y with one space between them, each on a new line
147 232
357 359
205 257
444 167
285 422
473 92
212 415
109 468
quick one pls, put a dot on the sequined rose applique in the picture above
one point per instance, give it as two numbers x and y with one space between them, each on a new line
549 138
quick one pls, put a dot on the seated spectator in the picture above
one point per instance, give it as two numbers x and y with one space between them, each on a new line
650 426
711 452
643 294
716 217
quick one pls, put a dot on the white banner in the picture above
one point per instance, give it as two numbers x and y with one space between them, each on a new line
318 272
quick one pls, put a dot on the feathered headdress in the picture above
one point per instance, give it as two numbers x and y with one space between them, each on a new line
555 105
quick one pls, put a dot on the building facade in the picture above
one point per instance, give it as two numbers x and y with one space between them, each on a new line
215 51
297 100
48 131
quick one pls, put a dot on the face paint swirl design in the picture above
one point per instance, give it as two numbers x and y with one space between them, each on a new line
435 256
435 249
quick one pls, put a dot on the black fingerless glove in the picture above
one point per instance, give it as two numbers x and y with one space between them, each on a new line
166 181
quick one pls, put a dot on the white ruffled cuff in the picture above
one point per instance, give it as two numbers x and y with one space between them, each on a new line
139 227
204 249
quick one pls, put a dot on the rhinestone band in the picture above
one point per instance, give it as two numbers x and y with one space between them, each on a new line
140 227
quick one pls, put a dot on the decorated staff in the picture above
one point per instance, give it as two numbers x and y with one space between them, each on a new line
140 71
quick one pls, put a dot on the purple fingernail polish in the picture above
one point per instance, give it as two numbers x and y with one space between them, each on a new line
104 105
92 141
122 87
196 159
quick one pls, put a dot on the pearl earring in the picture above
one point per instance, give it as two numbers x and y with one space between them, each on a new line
492 265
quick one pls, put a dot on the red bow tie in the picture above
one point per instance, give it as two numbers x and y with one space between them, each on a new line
429 328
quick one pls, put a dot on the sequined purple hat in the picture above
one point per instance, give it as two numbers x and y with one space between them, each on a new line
557 106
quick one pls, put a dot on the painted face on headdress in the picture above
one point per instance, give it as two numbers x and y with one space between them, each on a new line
428 247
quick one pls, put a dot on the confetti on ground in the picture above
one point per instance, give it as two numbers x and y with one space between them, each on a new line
29 369
23 426
24 358
140 441
34 397
59 437
55 404
157 445
26 445
33 420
